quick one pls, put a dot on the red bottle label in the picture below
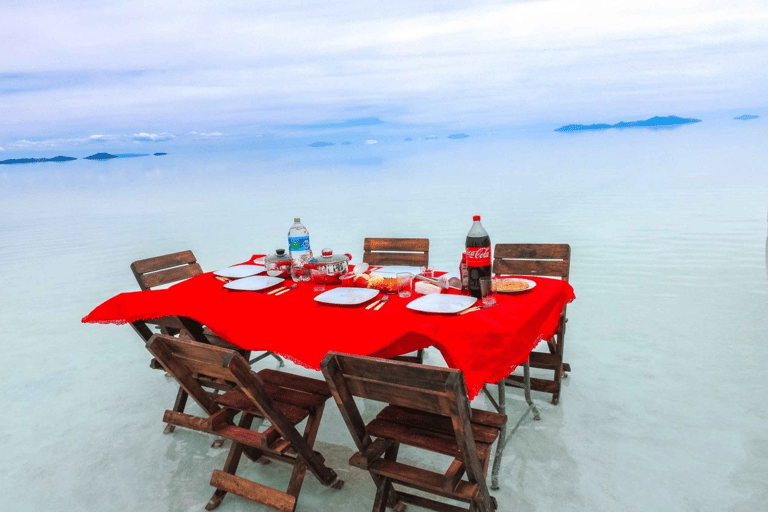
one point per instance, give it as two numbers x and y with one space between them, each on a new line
479 256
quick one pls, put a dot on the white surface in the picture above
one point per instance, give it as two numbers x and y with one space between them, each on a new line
347 295
426 288
239 271
441 303
531 284
667 229
393 270
254 283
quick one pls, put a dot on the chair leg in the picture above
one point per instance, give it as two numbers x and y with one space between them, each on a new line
267 354
230 466
178 406
384 495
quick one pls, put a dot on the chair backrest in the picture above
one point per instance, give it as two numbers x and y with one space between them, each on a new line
550 260
169 268
396 251
192 363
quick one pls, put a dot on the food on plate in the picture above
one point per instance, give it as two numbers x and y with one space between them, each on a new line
384 284
511 285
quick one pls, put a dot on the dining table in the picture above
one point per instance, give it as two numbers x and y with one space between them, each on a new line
485 344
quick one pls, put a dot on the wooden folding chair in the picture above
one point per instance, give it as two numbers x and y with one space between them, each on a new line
548 260
283 399
398 251
428 409
171 268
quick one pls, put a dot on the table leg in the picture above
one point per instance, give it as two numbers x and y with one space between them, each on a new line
502 409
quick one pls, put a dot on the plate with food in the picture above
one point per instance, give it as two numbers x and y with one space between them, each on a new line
513 285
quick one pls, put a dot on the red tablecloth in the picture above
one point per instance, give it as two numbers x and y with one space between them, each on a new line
485 345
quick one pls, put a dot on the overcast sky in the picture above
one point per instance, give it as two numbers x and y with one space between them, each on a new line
77 72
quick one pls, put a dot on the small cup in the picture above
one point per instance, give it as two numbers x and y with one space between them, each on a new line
318 277
404 284
486 290
297 271
428 271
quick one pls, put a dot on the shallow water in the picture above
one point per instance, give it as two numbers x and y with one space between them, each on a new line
666 337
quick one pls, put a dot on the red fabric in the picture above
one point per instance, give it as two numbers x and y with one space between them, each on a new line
485 345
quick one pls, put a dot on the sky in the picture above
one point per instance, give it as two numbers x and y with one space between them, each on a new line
138 74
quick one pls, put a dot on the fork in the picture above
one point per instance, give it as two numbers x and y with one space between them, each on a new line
292 287
383 301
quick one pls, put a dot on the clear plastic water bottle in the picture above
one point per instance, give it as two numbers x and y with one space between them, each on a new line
298 241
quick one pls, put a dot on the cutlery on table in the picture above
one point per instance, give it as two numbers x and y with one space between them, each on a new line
286 290
475 308
374 303
383 301
223 279
278 289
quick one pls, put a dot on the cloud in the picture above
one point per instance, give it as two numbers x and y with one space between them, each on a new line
1 149
152 137
212 134
371 141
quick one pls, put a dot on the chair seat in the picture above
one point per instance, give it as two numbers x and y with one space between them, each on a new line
434 432
295 395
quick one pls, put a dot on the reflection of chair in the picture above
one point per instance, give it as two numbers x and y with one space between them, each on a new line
550 260
166 269
398 251
283 399
429 409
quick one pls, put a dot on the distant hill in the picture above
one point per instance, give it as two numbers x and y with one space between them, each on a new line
458 136
100 156
160 154
36 160
408 139
746 117
654 121
320 144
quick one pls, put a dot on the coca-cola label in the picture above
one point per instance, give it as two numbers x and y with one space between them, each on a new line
479 256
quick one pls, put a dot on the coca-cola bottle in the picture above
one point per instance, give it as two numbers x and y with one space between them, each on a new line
478 256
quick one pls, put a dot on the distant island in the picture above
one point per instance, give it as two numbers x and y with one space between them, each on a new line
746 117
131 155
36 160
346 143
458 136
654 121
160 154
100 156
408 139
320 144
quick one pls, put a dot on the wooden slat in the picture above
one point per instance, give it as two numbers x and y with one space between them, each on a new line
253 491
434 423
551 268
398 394
162 262
426 439
544 360
546 386
147 281
396 244
298 382
236 399
424 480
430 378
427 503
395 258
533 251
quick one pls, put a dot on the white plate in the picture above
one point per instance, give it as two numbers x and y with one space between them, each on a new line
393 270
441 303
239 271
346 295
531 284
254 283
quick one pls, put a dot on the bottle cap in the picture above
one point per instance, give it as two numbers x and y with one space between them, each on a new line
476 217
296 219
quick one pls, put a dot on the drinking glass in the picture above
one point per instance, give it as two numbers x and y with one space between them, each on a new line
486 291
297 271
318 277
404 284
428 271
